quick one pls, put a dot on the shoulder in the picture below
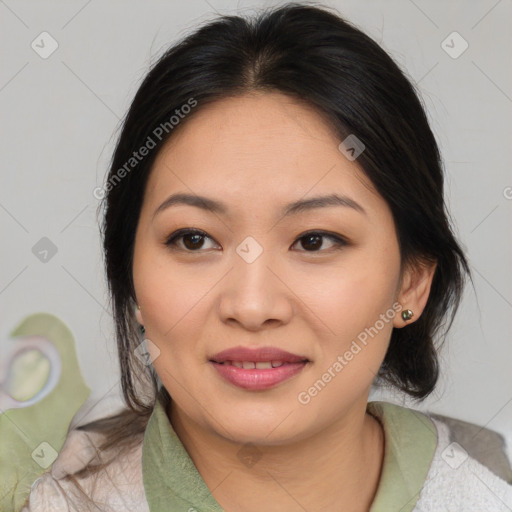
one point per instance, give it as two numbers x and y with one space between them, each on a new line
116 485
458 481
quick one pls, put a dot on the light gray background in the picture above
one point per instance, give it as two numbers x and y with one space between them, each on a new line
59 118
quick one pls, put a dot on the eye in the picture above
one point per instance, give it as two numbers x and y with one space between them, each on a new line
193 240
314 240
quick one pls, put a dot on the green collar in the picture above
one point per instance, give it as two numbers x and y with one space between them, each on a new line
172 482
410 443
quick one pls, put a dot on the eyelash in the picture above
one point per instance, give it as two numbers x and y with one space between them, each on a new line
174 237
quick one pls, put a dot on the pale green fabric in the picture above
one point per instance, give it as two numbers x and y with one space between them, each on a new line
410 443
31 437
172 482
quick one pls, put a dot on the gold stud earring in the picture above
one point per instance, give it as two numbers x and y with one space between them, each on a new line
407 315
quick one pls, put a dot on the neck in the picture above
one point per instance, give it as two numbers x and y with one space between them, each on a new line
336 469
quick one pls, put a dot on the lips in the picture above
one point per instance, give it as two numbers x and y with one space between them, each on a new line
257 369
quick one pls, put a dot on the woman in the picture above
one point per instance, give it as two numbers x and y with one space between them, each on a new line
275 225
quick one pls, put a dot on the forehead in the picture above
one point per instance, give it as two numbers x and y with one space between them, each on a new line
262 145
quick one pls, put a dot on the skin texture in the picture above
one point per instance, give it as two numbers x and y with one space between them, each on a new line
256 153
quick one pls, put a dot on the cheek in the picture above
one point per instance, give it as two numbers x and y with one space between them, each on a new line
175 302
168 312
358 309
356 305
354 297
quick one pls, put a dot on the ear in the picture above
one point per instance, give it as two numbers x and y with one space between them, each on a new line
414 290
138 316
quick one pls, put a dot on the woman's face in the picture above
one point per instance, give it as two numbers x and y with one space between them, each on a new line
256 281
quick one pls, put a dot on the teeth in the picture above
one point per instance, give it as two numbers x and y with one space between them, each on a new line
264 365
251 365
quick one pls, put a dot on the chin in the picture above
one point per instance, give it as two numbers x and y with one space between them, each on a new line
260 425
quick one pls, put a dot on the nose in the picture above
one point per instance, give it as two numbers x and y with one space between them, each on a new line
255 295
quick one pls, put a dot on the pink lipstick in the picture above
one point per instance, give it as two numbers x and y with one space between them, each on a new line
257 369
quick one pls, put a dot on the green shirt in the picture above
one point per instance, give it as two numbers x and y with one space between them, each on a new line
172 482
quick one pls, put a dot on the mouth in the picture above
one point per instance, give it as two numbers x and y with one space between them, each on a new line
257 369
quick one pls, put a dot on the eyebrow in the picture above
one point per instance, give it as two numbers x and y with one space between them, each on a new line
302 205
